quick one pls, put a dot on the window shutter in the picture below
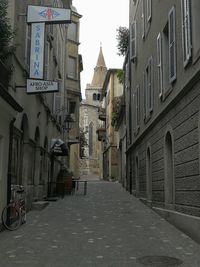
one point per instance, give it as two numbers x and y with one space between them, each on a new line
159 64
137 106
72 67
186 31
145 93
133 41
134 114
149 9
172 46
57 103
28 46
150 85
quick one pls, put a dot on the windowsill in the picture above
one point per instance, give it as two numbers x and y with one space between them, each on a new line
165 94
72 78
196 58
136 132
74 41
148 117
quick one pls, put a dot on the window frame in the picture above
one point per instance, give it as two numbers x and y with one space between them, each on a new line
137 107
133 46
74 77
160 64
149 10
172 44
186 31
148 89
73 31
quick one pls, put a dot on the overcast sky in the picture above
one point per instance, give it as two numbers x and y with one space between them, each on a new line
98 26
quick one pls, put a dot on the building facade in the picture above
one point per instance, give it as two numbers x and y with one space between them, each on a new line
112 99
73 92
32 121
89 119
163 121
8 111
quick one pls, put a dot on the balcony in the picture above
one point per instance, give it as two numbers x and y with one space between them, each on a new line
101 132
102 114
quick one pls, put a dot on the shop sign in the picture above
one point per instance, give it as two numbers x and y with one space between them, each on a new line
48 14
41 86
58 147
37 51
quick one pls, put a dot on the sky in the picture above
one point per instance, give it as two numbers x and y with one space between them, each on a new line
98 26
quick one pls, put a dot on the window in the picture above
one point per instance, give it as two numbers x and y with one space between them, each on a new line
72 31
159 65
133 41
148 88
166 56
195 25
146 16
72 67
94 97
57 103
186 31
172 45
72 107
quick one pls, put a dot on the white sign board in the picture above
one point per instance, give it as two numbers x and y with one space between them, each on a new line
37 51
48 14
40 86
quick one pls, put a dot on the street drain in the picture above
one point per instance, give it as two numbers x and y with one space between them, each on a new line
159 261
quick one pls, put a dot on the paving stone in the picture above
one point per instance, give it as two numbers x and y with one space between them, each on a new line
108 227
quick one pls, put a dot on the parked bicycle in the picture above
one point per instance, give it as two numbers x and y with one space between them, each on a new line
14 214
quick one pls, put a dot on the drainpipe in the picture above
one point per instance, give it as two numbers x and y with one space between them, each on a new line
10 160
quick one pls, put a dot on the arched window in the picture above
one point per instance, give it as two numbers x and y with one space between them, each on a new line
98 96
95 97
149 174
90 139
169 170
137 183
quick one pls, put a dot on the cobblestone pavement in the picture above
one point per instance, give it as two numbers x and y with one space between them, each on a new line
108 227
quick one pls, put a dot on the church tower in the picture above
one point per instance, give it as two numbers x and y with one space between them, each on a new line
93 90
89 118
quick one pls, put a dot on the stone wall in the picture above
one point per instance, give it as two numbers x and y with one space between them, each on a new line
182 121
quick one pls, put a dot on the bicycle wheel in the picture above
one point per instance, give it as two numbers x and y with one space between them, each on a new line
11 217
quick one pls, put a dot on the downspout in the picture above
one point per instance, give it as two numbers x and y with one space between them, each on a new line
10 159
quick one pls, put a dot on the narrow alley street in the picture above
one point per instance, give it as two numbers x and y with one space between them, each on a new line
107 228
